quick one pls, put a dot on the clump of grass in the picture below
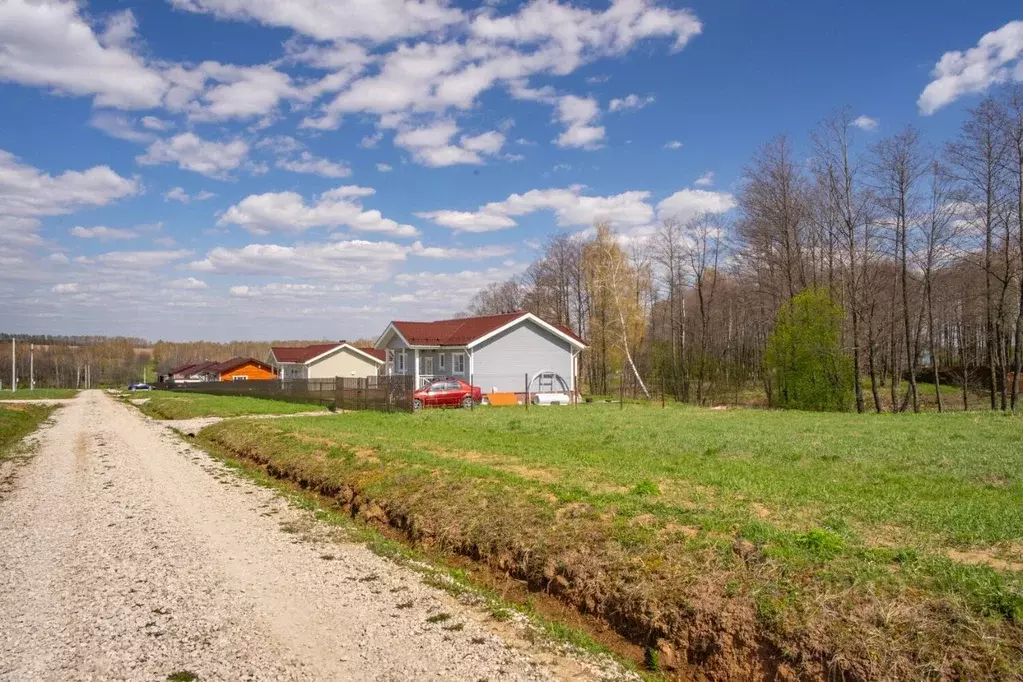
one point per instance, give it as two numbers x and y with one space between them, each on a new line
182 676
438 618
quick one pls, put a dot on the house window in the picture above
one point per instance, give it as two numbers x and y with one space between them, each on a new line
440 363
401 362
458 362
239 378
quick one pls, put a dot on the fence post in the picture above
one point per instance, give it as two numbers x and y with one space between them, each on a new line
621 392
527 391
472 391
662 390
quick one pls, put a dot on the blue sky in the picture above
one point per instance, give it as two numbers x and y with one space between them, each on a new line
224 169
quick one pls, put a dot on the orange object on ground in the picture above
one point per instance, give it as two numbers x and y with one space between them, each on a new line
502 399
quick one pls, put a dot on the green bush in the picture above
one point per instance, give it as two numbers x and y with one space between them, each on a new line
809 368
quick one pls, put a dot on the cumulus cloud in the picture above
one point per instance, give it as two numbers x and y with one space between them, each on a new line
689 203
136 260
188 283
191 152
432 145
705 180
342 259
578 115
288 211
570 207
630 102
673 145
315 165
26 191
120 126
995 59
380 20
384 167
179 194
48 44
866 123
102 233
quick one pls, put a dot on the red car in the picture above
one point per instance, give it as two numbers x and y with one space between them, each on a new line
446 393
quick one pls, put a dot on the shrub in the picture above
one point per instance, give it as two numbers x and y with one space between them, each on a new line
808 366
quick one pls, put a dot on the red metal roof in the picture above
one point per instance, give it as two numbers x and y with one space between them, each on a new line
234 363
378 354
307 353
461 331
191 368
302 353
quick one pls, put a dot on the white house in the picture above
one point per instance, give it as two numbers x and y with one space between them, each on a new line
496 352
326 361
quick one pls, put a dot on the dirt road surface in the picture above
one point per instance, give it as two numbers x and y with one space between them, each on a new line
126 554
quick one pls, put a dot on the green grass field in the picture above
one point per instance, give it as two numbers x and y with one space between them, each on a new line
882 546
18 421
39 394
164 405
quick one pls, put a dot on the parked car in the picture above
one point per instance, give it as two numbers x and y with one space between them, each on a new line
446 393
140 387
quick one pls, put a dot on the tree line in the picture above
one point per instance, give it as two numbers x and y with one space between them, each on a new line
920 246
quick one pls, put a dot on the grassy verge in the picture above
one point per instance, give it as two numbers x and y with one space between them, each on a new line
39 394
17 421
163 405
748 543
437 569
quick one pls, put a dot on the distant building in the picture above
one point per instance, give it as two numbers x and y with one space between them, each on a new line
326 361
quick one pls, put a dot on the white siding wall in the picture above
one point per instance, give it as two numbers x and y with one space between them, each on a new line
344 363
502 361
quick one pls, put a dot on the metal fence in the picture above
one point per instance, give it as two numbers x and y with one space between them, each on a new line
384 394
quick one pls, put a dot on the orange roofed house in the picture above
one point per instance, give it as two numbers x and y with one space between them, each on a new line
495 352
239 369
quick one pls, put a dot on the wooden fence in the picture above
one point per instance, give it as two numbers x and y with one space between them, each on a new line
383 394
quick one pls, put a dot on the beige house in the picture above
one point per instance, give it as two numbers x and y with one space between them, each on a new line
326 361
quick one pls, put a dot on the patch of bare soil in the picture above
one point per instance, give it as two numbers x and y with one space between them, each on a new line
980 557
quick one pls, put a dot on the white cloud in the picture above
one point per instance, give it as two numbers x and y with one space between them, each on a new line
371 141
102 233
191 152
442 253
280 144
179 194
68 288
213 91
157 124
689 203
468 221
307 163
486 143
120 126
866 123
631 102
262 213
342 260
578 113
674 144
705 180
136 259
48 44
995 59
569 206
431 145
26 191
379 20
188 283
384 167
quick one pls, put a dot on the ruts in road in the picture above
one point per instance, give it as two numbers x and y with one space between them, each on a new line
127 554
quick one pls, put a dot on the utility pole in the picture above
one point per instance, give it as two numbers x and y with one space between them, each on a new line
31 366
14 379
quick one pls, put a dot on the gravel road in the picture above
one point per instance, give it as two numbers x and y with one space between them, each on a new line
126 554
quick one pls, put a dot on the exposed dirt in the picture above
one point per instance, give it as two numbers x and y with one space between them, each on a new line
979 557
